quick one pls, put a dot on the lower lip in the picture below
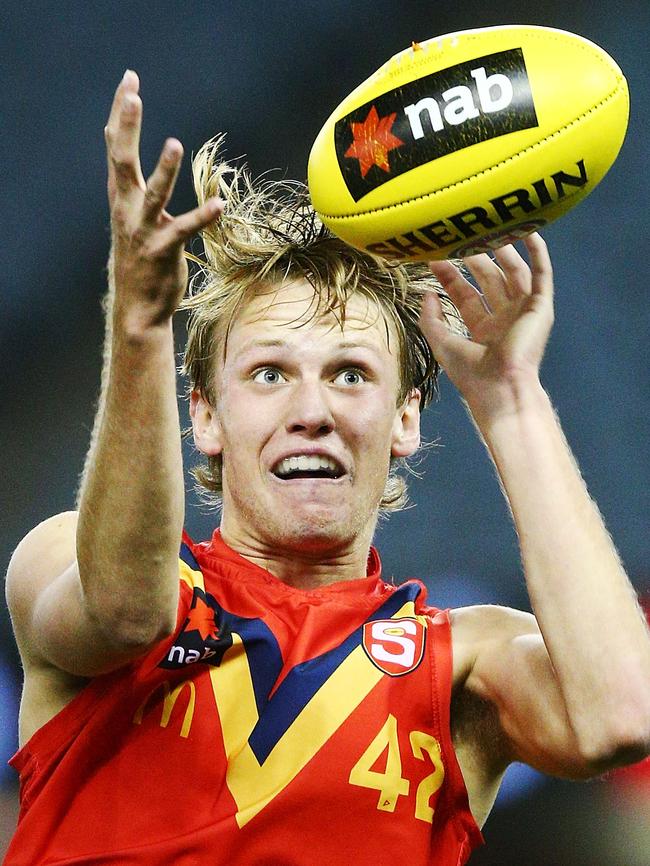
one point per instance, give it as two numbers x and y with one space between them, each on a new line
308 481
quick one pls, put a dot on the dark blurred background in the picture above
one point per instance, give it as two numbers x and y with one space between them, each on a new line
269 74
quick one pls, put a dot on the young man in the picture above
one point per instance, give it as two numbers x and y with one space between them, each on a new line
280 703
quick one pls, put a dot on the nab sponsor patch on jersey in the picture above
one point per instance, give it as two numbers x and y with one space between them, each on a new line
395 646
204 637
432 116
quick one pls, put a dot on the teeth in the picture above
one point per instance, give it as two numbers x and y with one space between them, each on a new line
306 463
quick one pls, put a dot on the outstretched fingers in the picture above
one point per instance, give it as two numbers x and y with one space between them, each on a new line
541 266
446 345
509 277
465 296
160 186
182 227
490 279
502 279
150 271
434 326
122 134
516 272
130 83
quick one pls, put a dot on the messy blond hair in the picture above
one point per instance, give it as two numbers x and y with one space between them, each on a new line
269 235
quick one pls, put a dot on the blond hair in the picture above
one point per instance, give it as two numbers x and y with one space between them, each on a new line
269 235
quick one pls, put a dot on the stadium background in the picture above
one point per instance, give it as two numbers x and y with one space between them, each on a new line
268 74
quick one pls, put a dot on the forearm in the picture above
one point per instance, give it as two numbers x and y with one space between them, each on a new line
107 309
131 501
586 608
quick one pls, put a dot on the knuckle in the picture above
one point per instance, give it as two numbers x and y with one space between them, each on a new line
517 269
123 167
152 196
134 237
118 211
139 239
181 231
156 247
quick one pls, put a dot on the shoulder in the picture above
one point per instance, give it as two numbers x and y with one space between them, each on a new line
481 629
41 557
45 556
486 621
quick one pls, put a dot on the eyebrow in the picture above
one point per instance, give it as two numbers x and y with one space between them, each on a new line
342 345
259 344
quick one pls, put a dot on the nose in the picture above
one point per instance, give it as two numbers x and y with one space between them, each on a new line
309 410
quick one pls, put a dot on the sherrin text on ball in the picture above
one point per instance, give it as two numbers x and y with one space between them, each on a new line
468 141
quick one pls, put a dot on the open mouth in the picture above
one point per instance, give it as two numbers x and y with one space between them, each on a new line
308 466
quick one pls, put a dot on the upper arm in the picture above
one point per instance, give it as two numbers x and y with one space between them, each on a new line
52 622
508 667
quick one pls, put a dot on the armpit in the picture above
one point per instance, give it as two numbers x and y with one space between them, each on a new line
481 749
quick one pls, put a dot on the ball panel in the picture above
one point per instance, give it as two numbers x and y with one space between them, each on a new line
561 92
465 119
530 188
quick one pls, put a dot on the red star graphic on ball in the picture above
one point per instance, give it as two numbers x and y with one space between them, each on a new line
201 619
373 140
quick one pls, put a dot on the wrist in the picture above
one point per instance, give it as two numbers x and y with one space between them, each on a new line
523 438
137 326
514 396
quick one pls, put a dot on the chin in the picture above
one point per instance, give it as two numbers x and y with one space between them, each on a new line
317 531
311 524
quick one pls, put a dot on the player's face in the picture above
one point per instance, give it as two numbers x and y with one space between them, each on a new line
306 421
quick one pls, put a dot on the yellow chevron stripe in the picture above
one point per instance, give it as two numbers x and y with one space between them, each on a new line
253 785
191 577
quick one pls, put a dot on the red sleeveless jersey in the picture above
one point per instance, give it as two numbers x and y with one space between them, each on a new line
277 727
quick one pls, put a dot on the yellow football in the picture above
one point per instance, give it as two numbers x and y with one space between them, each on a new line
468 141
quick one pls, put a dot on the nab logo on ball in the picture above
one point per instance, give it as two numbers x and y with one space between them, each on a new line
395 646
433 116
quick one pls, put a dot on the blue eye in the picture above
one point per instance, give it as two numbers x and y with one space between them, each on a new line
269 376
350 377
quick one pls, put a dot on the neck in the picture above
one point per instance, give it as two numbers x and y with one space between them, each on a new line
299 563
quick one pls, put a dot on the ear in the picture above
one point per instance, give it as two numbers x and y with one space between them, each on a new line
406 427
205 425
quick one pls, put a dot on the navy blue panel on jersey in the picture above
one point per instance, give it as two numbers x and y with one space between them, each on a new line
302 683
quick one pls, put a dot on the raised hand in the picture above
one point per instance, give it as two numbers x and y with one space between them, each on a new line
509 322
148 265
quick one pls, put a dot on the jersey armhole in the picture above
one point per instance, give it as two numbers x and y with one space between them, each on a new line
53 737
457 799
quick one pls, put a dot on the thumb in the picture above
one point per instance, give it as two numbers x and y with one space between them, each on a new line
433 324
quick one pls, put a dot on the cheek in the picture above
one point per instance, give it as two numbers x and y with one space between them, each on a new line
247 426
373 426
